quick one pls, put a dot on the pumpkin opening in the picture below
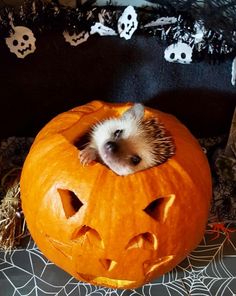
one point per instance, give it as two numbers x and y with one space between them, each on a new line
70 202
81 141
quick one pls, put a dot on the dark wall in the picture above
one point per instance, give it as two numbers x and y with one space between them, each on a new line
58 77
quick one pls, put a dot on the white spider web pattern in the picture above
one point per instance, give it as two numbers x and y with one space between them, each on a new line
210 270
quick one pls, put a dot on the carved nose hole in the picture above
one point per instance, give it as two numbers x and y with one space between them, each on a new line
70 202
89 235
144 240
108 264
158 209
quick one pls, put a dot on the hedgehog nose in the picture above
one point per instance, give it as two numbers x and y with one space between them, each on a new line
111 146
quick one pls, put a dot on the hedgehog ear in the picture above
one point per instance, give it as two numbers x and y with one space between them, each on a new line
134 113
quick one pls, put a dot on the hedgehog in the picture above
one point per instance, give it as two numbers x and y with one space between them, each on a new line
129 143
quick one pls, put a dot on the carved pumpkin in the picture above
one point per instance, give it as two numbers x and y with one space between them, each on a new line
107 229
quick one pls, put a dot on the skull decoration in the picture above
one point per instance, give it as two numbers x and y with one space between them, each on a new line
107 229
75 38
127 23
102 30
179 53
21 42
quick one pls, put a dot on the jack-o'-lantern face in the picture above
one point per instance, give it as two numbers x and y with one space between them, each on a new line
107 229
111 253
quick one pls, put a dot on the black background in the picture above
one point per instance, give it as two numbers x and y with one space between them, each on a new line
58 76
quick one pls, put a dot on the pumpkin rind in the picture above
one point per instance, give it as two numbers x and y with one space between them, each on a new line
113 236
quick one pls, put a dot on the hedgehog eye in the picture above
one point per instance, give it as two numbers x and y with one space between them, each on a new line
118 133
135 159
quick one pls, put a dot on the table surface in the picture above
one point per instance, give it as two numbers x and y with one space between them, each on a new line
209 270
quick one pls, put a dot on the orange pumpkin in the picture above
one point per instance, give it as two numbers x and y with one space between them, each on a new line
107 229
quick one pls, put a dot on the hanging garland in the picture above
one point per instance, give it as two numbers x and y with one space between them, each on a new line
192 32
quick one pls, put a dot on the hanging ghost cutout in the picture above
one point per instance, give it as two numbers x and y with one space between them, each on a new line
200 31
76 38
127 23
162 21
102 30
21 42
179 53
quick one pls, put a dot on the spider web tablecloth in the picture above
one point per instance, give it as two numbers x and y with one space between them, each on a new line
209 270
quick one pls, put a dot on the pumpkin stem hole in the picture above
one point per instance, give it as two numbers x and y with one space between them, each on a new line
70 202
144 240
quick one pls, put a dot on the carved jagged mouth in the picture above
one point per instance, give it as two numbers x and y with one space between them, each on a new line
106 281
22 51
149 268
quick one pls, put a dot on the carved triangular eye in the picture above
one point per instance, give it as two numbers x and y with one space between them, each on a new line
70 202
158 208
154 208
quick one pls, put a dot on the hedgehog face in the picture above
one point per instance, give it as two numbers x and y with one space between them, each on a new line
120 142
130 143
126 155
